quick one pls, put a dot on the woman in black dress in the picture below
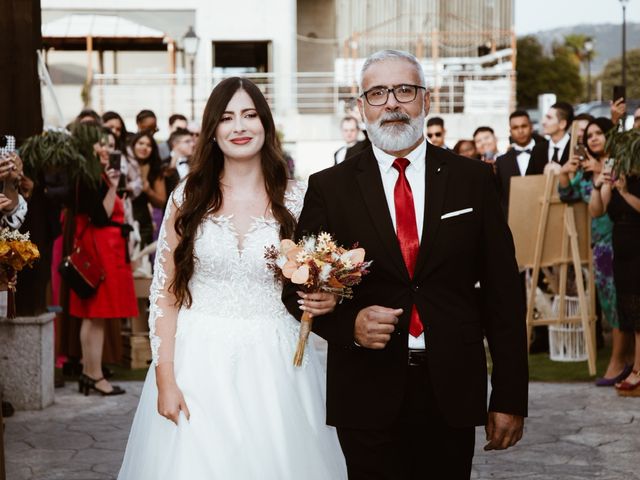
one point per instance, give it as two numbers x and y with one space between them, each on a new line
620 198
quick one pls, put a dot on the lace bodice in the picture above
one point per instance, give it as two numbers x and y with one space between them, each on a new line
233 293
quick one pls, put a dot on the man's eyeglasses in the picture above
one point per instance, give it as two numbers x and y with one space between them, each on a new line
378 96
434 134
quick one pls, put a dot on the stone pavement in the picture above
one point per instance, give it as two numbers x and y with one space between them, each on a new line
574 432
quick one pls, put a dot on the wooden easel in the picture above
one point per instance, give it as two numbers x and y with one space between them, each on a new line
557 242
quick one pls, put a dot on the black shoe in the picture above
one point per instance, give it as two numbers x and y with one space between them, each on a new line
86 384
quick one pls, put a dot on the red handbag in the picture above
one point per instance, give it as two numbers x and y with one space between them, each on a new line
81 270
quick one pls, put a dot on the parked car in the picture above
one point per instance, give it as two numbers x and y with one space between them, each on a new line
603 109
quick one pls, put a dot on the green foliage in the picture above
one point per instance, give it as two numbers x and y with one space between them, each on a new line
624 147
59 150
612 75
539 73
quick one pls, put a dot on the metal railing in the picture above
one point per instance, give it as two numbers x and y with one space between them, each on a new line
452 91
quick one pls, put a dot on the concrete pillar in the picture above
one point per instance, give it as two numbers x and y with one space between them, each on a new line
26 361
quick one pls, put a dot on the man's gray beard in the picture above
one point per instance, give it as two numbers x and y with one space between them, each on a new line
396 137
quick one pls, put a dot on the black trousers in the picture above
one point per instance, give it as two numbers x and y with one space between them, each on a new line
419 445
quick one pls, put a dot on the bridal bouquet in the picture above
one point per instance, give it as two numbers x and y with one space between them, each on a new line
16 252
317 264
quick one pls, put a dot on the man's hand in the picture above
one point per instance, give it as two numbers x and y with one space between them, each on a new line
503 430
374 326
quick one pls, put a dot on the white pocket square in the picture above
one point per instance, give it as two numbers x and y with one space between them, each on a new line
456 213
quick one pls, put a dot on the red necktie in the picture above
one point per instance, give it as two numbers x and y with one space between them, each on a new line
407 231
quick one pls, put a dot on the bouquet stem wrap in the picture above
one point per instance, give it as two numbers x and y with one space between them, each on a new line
306 323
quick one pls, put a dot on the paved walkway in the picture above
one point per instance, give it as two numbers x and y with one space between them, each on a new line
574 432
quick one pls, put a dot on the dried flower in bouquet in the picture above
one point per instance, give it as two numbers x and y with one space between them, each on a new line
317 264
16 253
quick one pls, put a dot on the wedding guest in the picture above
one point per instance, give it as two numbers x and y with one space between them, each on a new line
146 121
153 194
114 121
181 143
581 120
517 161
176 121
88 115
576 184
620 198
99 233
13 206
435 131
556 126
350 131
466 148
486 144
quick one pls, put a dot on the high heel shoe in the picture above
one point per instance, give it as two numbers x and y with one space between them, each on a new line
610 382
86 384
629 389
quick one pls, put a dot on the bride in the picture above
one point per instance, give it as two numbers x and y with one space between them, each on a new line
222 399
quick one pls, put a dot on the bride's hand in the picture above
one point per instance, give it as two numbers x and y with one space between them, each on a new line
171 401
317 304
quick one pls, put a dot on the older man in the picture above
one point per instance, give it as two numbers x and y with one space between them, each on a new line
407 374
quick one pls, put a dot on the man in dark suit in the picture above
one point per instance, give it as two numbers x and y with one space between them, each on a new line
406 374
556 126
517 161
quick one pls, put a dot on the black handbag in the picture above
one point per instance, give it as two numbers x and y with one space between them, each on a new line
81 271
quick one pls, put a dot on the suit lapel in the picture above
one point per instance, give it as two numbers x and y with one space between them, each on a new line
435 188
370 183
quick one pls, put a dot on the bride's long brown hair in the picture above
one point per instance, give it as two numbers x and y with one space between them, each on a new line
202 192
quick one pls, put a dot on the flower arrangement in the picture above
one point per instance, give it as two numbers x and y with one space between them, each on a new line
16 252
317 264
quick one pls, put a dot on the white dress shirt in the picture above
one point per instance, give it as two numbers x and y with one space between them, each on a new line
182 166
415 173
560 145
523 157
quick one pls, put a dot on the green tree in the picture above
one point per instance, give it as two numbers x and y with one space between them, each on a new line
612 75
539 73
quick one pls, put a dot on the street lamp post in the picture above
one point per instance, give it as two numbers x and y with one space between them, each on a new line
588 48
624 42
190 43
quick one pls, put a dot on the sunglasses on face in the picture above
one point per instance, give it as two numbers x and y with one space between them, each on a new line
436 134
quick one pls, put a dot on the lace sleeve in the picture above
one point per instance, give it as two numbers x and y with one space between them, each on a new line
163 313
294 197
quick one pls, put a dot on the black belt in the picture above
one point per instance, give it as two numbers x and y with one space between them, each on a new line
417 358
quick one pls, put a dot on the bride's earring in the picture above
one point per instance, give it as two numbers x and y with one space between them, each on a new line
214 139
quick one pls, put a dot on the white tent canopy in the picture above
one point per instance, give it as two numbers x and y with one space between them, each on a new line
111 26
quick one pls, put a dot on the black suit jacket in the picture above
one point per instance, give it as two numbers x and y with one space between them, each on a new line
540 154
507 167
365 388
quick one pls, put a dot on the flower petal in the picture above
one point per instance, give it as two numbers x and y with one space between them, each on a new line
301 275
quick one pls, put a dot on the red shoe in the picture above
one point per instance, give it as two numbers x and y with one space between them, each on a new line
629 389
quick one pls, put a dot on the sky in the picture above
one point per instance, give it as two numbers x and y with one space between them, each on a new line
535 15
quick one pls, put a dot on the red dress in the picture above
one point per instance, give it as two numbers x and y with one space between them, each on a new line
115 297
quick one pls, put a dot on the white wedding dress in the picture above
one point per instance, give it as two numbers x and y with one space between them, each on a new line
253 414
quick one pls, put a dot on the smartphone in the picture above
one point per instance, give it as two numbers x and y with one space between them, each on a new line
608 165
7 144
580 151
114 159
619 92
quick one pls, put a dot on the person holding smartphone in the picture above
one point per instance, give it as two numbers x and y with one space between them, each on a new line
99 222
582 187
619 197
